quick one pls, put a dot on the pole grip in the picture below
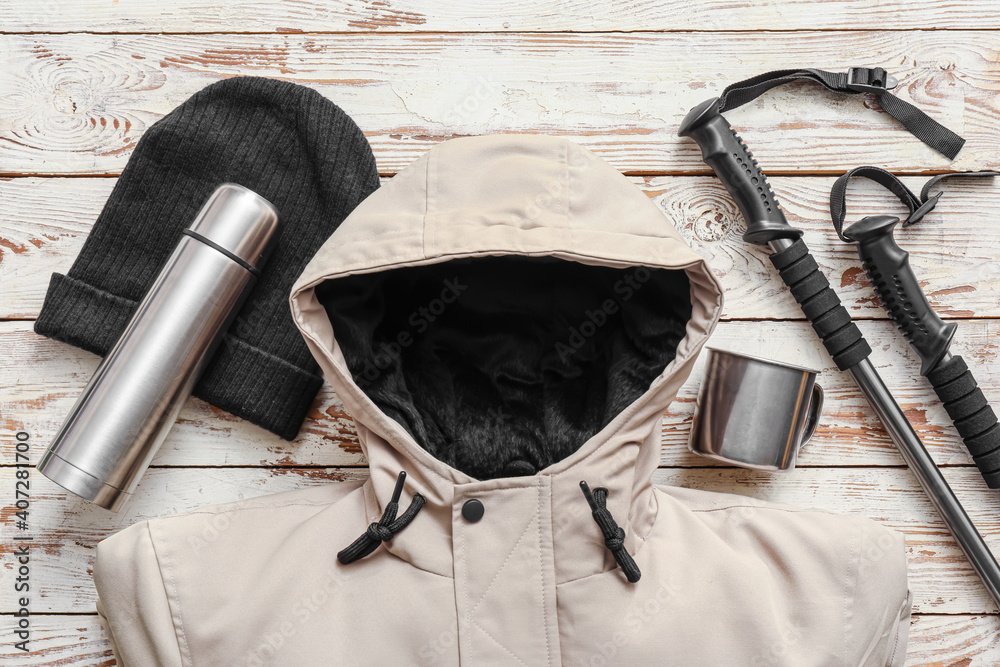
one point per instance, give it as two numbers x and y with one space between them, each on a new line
727 154
888 269
731 160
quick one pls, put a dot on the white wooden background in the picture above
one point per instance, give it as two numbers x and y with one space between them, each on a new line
80 80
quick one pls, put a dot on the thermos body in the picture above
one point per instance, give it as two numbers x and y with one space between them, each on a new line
134 397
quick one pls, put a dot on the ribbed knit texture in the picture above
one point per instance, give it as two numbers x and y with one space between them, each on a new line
282 140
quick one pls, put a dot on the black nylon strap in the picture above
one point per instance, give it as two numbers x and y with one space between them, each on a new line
856 80
919 206
924 191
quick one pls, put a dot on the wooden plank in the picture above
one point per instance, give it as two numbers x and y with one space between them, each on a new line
131 16
44 222
953 250
59 641
81 101
49 376
43 378
953 641
67 530
935 639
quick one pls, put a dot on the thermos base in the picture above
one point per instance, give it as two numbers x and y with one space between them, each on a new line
81 483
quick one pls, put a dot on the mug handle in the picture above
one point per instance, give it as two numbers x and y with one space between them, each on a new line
812 419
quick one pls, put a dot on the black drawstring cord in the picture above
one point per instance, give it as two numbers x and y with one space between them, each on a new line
614 536
387 526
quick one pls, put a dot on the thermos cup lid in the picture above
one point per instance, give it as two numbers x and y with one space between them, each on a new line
239 221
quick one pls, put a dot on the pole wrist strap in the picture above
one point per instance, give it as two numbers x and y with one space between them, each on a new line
856 80
919 205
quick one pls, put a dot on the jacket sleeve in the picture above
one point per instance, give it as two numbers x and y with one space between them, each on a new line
132 601
878 618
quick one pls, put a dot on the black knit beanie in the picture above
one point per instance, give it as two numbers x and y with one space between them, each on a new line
284 141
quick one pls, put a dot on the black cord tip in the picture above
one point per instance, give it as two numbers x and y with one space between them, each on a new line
398 491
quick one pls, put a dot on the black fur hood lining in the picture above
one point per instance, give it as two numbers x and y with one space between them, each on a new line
501 366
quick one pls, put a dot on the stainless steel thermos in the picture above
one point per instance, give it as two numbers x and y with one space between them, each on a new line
134 397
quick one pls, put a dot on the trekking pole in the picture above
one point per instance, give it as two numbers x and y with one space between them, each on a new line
888 268
728 156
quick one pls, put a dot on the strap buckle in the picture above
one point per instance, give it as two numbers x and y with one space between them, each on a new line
923 209
870 80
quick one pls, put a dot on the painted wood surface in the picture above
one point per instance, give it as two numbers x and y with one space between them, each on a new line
296 16
954 248
79 102
76 104
64 641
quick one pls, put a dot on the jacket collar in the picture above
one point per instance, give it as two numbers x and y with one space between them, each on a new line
621 457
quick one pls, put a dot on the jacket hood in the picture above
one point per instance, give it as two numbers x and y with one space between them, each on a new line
507 307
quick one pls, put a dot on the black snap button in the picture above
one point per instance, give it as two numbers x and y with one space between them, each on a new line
473 510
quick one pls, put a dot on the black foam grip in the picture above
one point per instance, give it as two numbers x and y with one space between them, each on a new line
853 355
810 286
947 371
832 319
842 338
974 418
989 462
966 406
793 253
960 386
985 442
796 271
977 423
821 304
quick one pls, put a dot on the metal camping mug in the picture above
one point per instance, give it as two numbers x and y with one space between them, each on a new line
753 412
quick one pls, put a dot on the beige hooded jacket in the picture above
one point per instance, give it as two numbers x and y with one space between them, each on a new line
504 319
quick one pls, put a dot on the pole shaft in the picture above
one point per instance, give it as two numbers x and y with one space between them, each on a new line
929 476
